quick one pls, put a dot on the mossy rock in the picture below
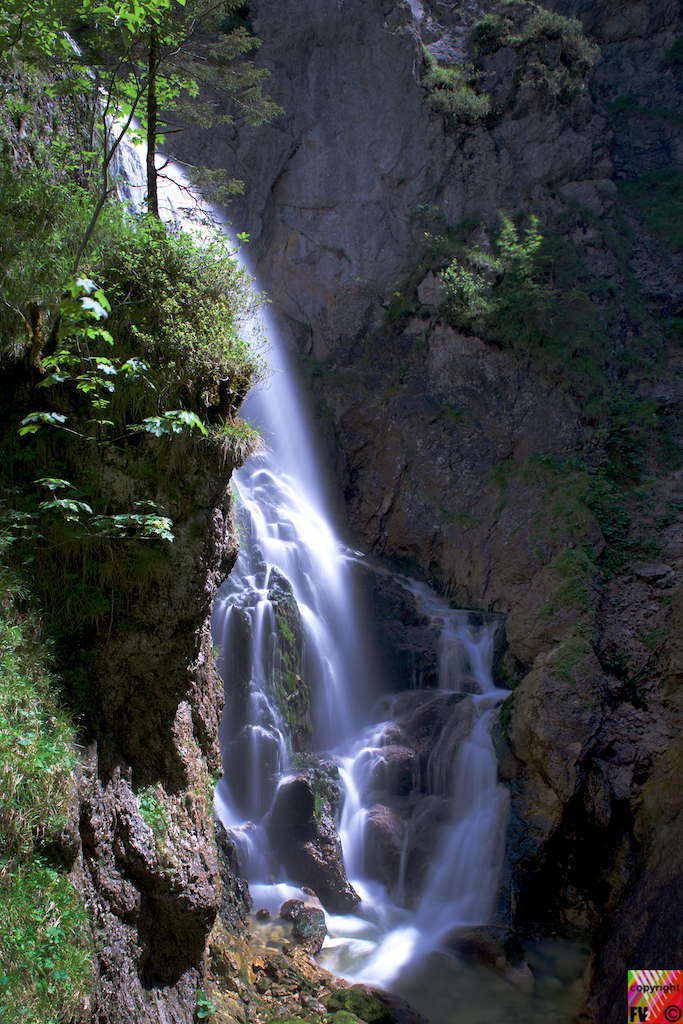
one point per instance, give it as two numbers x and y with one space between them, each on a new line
360 1003
288 1020
343 1017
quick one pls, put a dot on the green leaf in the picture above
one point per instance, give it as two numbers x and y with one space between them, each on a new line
32 423
173 422
53 483
66 505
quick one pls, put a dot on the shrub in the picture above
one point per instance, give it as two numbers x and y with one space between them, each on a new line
531 29
451 90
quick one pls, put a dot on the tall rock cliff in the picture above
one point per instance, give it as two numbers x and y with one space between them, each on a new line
526 462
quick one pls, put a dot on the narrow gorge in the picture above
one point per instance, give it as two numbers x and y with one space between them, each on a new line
372 655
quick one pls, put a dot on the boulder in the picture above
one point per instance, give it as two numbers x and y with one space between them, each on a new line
384 835
555 715
302 833
389 769
360 1001
308 924
544 740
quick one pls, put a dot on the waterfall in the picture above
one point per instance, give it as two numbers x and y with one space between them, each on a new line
295 665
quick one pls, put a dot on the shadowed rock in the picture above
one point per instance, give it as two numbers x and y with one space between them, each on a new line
303 835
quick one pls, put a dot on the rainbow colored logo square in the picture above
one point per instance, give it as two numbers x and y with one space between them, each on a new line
655 997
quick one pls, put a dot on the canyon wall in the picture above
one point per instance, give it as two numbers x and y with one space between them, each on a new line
535 478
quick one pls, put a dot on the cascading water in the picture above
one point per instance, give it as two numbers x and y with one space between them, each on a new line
461 886
294 662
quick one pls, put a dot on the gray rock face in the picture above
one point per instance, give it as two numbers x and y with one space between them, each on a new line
330 187
634 38
444 495
550 724
153 902
555 717
444 486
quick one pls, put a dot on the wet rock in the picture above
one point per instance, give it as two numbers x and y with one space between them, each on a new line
496 947
290 908
433 724
406 641
304 838
263 914
254 745
291 691
382 845
344 1017
389 769
309 928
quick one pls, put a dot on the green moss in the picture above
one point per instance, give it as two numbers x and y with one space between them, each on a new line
451 414
154 812
361 1004
506 713
570 657
575 569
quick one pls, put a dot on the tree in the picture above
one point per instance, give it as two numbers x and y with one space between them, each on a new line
176 56
144 59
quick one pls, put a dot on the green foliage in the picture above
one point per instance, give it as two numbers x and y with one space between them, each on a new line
145 343
565 75
144 57
451 90
205 1008
43 948
575 570
44 954
503 285
629 106
180 309
658 198
154 812
553 51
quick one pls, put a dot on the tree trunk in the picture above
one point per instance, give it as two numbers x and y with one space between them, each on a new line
152 110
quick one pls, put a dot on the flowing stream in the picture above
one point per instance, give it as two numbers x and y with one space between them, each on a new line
299 671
